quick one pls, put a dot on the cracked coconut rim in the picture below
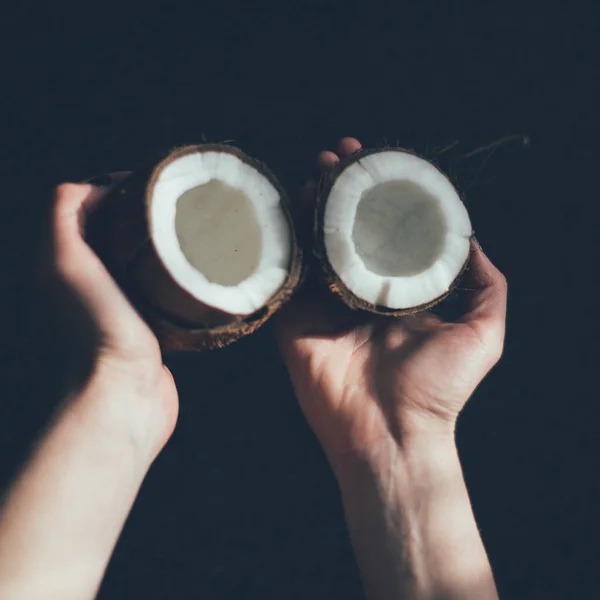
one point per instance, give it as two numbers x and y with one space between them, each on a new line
219 229
395 231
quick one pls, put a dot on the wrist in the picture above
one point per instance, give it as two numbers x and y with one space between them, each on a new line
124 414
64 513
411 524
417 458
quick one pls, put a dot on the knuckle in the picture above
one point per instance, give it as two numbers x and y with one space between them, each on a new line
495 346
500 282
490 336
497 350
68 198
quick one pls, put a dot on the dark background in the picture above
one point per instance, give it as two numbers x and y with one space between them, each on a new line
242 503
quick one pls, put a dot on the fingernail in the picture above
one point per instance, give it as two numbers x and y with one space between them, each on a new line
477 242
101 181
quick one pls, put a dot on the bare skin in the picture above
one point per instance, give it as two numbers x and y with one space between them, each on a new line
61 519
383 396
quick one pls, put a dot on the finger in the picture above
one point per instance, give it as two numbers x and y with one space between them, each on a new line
314 318
326 161
315 311
487 300
108 179
348 146
103 183
82 270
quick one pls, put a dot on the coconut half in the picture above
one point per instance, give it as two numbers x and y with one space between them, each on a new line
391 232
223 255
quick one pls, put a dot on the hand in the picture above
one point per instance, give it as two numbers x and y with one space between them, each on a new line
383 395
124 359
370 384
61 518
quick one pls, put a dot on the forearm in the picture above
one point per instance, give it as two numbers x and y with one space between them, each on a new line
60 521
412 527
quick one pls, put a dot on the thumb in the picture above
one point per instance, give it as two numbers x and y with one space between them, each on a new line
315 313
85 274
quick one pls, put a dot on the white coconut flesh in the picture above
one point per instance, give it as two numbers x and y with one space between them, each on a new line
395 230
219 229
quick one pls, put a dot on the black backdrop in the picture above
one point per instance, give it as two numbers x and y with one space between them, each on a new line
242 503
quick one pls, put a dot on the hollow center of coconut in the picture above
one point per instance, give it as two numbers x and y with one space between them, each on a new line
395 230
220 231
399 229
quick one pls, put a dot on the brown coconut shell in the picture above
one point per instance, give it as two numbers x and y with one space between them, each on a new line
119 232
333 281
